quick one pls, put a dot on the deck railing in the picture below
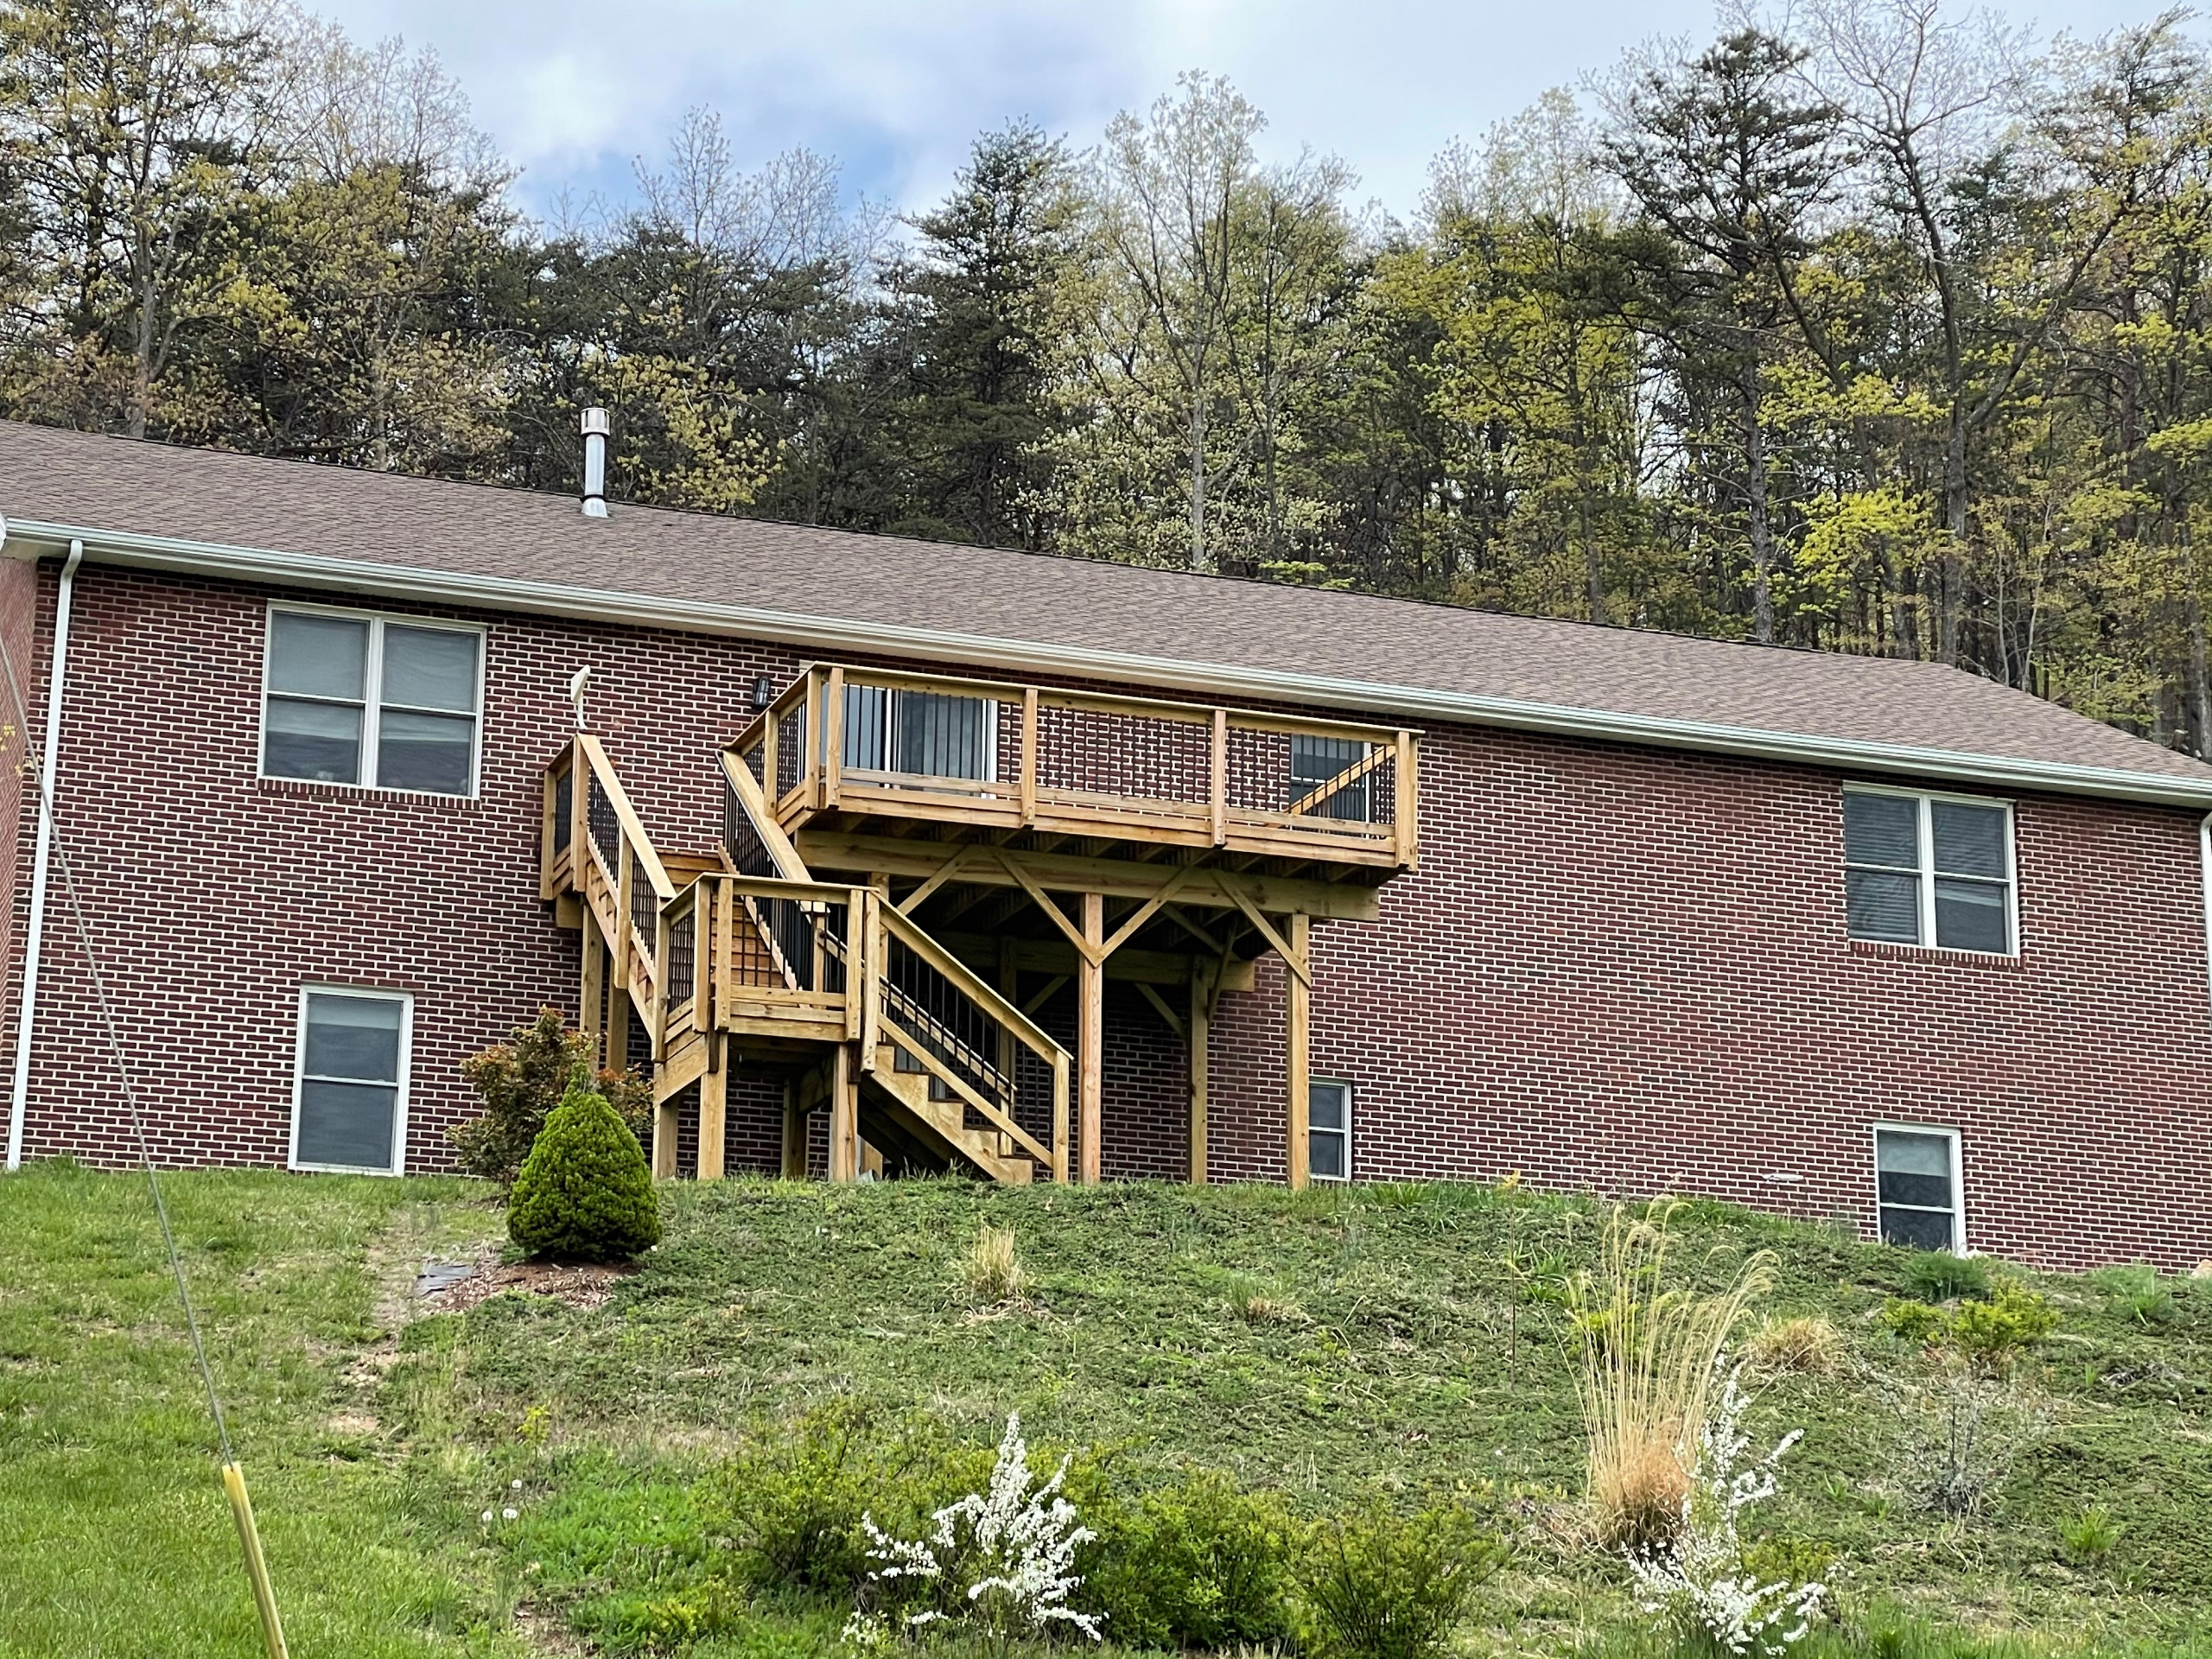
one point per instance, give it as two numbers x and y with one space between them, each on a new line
597 847
861 740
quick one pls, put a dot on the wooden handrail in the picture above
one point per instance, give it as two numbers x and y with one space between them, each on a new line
633 829
972 984
755 805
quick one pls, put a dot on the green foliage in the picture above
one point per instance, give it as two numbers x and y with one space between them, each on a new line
2089 1533
521 1081
1989 1333
2135 1292
584 1194
1940 1276
1200 1563
1373 1585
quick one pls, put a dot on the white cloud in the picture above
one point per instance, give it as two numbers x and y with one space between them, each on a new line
897 91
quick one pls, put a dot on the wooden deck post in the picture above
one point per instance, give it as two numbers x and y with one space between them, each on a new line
618 1033
1091 1035
844 1116
714 1107
664 1140
1297 1003
591 996
1200 1028
794 1166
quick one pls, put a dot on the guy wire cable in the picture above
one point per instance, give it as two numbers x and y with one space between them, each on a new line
233 1477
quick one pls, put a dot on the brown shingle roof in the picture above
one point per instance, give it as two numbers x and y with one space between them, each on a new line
1435 654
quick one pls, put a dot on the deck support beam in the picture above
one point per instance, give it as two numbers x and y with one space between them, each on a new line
714 1109
844 1115
1200 1025
1090 1035
1298 1005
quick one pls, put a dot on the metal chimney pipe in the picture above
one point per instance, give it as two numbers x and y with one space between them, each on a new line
595 430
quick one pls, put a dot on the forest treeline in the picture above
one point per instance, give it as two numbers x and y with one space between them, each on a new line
1866 326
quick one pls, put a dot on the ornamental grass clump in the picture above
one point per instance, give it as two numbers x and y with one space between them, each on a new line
1650 1359
992 1268
584 1194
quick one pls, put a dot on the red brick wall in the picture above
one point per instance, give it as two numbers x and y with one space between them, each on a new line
1616 969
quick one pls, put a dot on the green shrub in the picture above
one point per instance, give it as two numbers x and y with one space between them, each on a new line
1990 1333
790 1502
2134 1291
1939 1276
1197 1565
1915 1321
584 1194
1374 1586
520 1082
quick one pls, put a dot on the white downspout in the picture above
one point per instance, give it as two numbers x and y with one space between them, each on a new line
2204 856
19 1096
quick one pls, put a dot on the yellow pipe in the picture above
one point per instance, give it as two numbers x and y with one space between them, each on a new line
256 1569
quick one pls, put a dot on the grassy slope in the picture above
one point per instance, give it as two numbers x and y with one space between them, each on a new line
1411 1363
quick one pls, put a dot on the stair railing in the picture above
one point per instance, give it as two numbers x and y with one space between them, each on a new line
939 1011
608 859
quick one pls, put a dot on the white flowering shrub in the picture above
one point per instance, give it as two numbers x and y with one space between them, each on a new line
1698 1577
1002 1559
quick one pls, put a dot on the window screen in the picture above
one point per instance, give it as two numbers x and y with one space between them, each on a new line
362 700
924 734
350 1079
1921 870
1328 1131
1917 1186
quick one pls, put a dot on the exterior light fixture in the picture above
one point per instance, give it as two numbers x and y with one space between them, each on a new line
764 692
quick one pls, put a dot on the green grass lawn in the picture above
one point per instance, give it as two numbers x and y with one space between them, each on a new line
1396 1351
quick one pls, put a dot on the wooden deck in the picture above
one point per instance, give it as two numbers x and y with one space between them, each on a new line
913 867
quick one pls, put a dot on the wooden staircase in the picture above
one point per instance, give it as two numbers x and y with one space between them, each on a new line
739 957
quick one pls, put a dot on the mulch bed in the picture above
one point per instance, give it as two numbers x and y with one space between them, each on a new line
456 1286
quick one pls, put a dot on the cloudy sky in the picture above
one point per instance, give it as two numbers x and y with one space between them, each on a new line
573 89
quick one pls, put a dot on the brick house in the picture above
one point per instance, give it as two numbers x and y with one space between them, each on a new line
880 854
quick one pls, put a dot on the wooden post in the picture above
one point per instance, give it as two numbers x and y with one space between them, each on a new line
665 1140
618 1033
1029 756
1090 1034
1406 810
591 1004
833 737
714 1107
1220 796
794 1135
1200 1028
1060 1116
1297 1003
844 1116
1009 988
626 871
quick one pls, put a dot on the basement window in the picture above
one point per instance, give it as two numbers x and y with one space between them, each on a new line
384 702
349 1101
1328 1130
1929 869
1917 1187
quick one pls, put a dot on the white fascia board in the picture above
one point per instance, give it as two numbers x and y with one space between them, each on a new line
1370 699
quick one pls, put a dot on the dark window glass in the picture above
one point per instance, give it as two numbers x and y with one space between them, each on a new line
1970 916
319 741
1882 829
318 655
430 668
941 736
425 752
1883 904
1328 1142
867 721
349 1089
1918 1230
1314 760
1969 840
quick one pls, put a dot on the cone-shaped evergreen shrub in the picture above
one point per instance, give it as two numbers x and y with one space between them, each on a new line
584 1194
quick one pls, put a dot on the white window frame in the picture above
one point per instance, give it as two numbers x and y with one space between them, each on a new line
372 705
406 1001
1343 1084
1958 1211
1926 834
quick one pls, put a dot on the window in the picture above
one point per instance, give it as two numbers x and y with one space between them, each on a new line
349 1106
1917 1187
372 700
1314 760
925 733
1328 1130
1929 870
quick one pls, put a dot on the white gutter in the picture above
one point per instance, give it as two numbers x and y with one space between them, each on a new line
19 1095
1365 697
